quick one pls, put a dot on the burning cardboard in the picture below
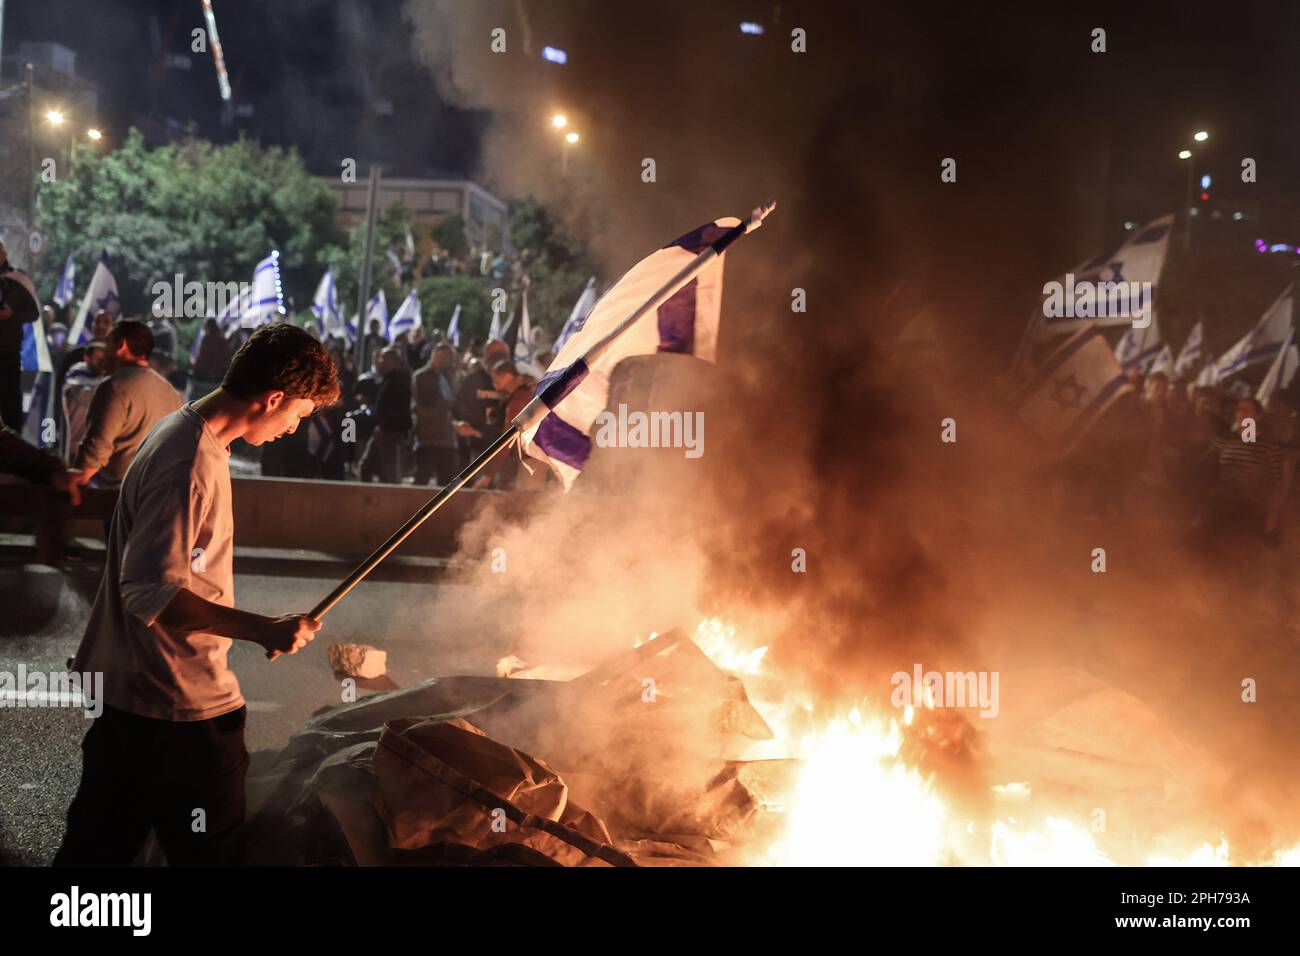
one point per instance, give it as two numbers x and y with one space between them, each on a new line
445 772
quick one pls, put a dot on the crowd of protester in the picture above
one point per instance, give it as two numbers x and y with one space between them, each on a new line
416 409
1214 459
420 411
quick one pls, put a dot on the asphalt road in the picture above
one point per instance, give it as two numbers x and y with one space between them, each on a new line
43 613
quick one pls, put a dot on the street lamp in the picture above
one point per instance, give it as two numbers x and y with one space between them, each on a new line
94 134
559 121
570 139
54 117
1199 136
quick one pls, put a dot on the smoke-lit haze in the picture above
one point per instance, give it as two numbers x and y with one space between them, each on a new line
823 428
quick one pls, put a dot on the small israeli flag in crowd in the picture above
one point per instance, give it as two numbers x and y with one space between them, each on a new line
267 302
406 318
1163 363
63 291
1263 342
581 309
34 352
1190 355
1282 371
101 296
453 327
1138 348
231 317
376 309
325 306
519 333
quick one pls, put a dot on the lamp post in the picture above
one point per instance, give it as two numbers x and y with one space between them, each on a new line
1186 155
560 122
570 139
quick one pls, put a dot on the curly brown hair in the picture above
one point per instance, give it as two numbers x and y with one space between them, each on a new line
283 358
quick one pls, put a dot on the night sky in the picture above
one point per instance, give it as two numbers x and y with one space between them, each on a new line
1057 146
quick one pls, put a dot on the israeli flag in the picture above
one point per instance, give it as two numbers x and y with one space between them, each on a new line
63 291
1164 362
581 309
266 304
1208 376
1263 342
1070 391
35 350
1282 371
1138 348
231 317
406 318
101 296
519 333
575 389
1110 280
1190 355
325 306
377 309
453 327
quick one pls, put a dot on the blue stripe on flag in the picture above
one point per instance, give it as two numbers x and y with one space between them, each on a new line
562 442
1142 356
1055 361
697 240
677 321
1154 234
1090 411
1254 355
554 386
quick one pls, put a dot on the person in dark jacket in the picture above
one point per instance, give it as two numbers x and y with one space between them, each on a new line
383 456
432 398
516 390
211 360
478 404
16 310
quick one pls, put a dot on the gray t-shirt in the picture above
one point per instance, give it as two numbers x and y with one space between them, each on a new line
173 528
124 408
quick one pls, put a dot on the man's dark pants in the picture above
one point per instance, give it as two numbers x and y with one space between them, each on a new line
139 774
382 458
440 462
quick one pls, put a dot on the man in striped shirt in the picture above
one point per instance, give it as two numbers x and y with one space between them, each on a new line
1253 472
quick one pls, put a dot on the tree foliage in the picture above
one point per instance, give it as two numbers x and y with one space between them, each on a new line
555 261
208 212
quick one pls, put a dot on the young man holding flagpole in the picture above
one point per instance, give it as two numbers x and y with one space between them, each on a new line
168 753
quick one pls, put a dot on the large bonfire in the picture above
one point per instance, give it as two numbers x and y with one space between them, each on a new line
860 795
